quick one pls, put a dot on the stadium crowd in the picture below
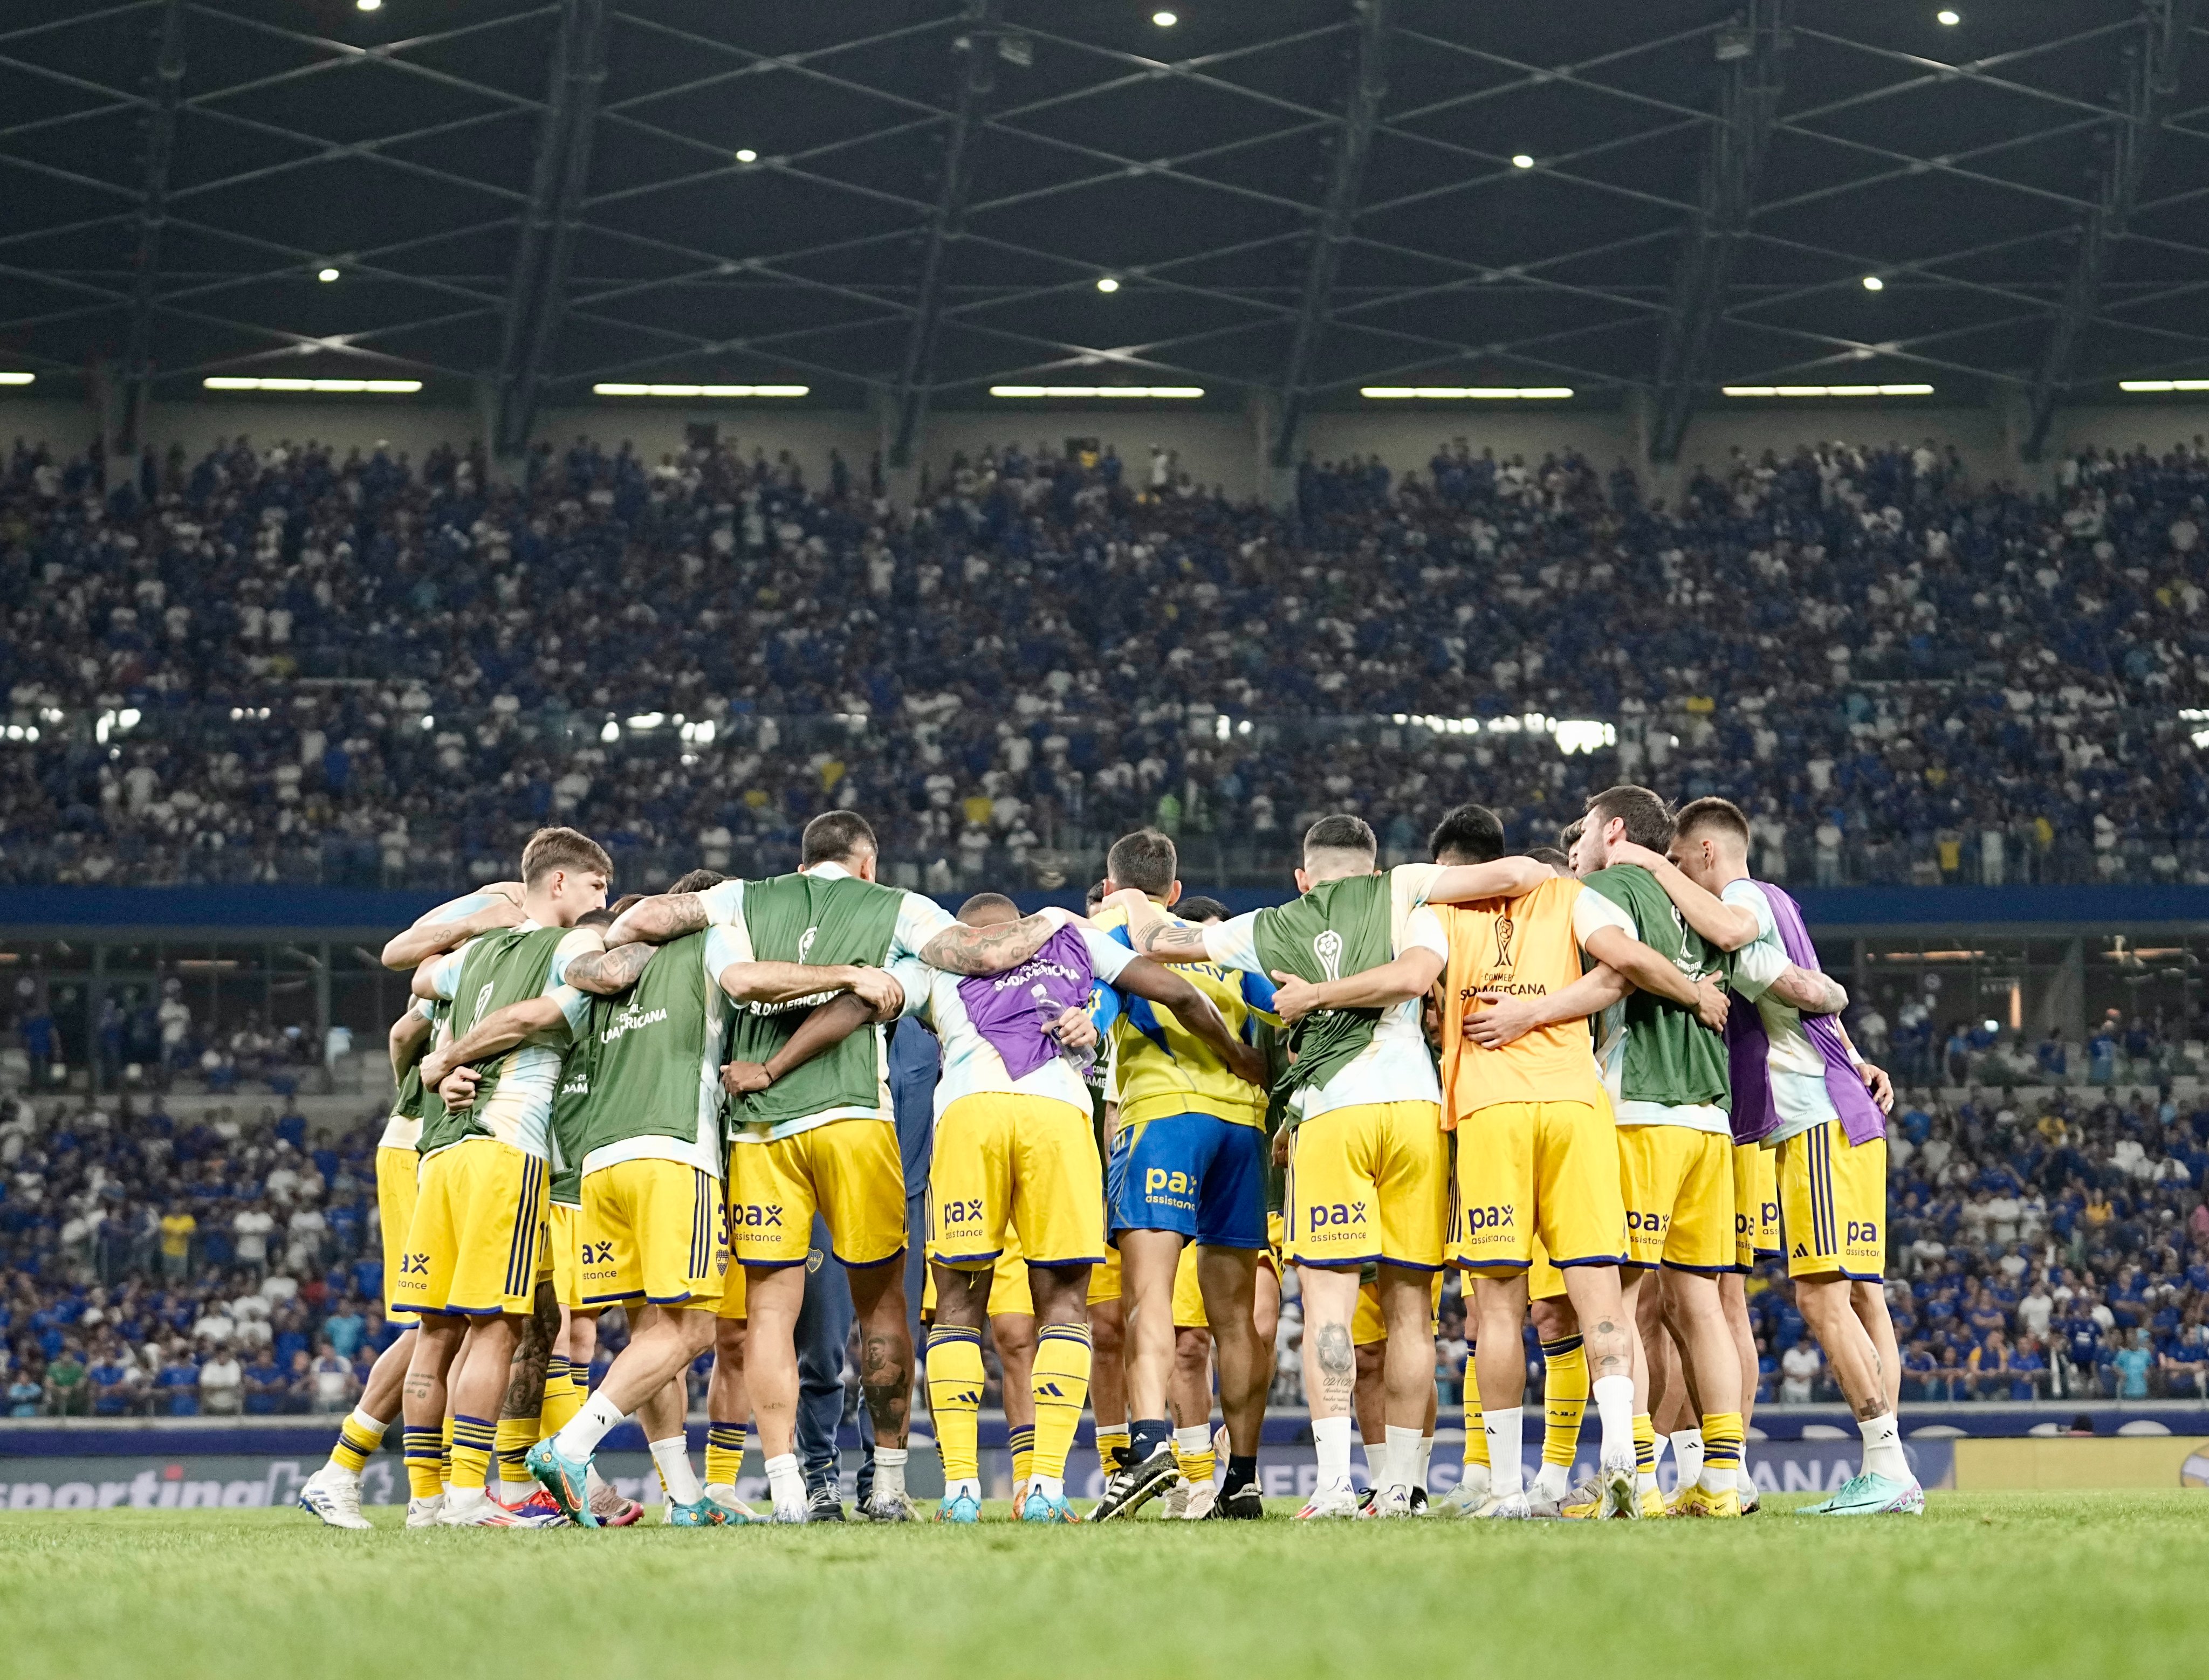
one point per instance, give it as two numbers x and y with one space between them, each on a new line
276 662
2049 1248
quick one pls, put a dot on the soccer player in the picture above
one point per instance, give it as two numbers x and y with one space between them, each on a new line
1801 1089
1351 959
1188 1167
654 1220
824 1138
1013 1148
1538 1155
470 1266
332 1492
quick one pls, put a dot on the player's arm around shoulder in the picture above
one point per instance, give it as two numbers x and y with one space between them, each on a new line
1727 926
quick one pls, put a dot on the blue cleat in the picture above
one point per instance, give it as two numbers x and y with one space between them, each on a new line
1041 1507
1869 1494
702 1512
964 1508
568 1480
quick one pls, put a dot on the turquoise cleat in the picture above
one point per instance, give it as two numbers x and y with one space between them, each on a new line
702 1513
1867 1495
964 1509
568 1480
1041 1507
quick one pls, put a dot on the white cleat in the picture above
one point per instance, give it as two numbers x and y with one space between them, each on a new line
1506 1506
797 1513
425 1513
334 1496
1202 1498
724 1495
1751 1495
1177 1498
1393 1501
1334 1500
483 1512
1621 1496
1468 1496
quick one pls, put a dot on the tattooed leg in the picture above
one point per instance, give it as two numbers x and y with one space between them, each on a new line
878 1301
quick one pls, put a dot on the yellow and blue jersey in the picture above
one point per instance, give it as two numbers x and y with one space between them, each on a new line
1162 1068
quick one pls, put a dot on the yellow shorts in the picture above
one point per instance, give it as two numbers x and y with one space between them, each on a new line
396 1174
1833 1203
1544 1282
563 1235
1008 1284
1104 1277
1366 1324
1538 1171
1678 1185
654 1230
1019 1167
1755 1205
732 1293
1368 1183
846 1171
478 1225
1188 1296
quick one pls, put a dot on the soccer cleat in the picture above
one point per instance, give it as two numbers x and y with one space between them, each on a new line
538 1511
483 1513
1577 1504
1020 1499
1177 1497
1244 1504
824 1504
888 1507
1331 1500
1752 1500
424 1513
1696 1500
334 1497
1202 1498
700 1513
792 1514
1130 1489
1465 1497
1041 1507
1365 1500
966 1509
1389 1502
568 1480
1419 1502
1869 1495
1616 1493
725 1497
1652 1504
613 1511
1506 1507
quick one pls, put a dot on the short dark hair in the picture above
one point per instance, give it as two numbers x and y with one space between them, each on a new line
987 901
1471 833
604 918
1648 822
1341 832
1569 836
1095 896
551 848
620 907
834 837
1549 856
1145 859
697 880
1198 908
1711 812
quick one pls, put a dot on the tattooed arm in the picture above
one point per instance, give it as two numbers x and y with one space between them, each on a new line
410 1034
428 938
607 973
669 915
964 949
1809 991
495 1033
1152 935
1728 926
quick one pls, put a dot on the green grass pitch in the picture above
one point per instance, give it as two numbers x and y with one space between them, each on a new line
2006 1585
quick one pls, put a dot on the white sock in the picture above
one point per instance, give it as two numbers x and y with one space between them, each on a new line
1553 1481
672 1457
1745 1484
1614 1407
1193 1440
966 1485
890 1473
786 1483
1331 1443
1882 1448
464 1498
513 1493
1424 1462
1476 1480
1688 1453
1401 1457
1051 1487
1376 1458
1507 1470
580 1435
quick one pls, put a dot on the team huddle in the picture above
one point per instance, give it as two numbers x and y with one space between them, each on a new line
1600 1081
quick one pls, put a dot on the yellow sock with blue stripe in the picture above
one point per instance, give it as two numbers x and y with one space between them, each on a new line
513 1439
1564 1398
1644 1452
472 1441
445 1448
725 1454
1722 1442
1193 1452
1021 1438
425 1461
1061 1387
955 1401
1112 1448
358 1437
563 1399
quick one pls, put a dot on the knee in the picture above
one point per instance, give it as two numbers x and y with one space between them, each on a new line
729 1340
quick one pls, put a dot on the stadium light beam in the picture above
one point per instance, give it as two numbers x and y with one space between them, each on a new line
712 391
1465 393
2122 384
1873 283
18 378
1825 390
1946 19
1174 393
394 388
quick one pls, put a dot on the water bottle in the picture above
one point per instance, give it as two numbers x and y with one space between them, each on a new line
1047 1014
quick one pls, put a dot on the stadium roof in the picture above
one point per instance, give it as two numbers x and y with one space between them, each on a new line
921 198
